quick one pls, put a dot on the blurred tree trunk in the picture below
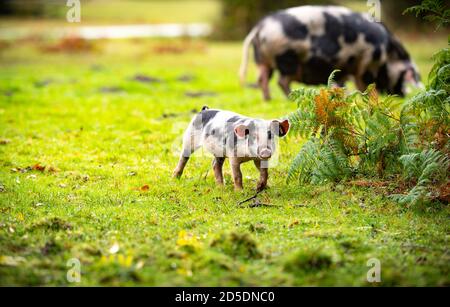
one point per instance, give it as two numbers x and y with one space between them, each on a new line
36 8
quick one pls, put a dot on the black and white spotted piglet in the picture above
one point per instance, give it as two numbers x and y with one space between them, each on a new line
229 135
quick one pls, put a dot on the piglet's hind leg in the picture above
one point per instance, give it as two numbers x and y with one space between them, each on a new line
191 142
217 166
180 167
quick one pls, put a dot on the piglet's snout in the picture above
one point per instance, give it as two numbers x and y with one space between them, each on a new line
265 153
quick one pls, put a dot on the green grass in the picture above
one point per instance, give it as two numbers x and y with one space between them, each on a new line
104 146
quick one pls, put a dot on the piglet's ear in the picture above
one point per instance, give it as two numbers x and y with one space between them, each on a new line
241 131
283 127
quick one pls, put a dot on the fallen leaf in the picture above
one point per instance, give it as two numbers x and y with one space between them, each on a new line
38 167
145 187
293 223
69 45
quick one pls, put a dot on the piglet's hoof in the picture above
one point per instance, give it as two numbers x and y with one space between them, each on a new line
260 188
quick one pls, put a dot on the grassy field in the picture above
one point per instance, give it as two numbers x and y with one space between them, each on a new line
87 147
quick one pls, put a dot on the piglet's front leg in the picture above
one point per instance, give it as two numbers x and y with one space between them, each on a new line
263 175
237 174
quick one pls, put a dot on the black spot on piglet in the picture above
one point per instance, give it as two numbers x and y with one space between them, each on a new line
207 115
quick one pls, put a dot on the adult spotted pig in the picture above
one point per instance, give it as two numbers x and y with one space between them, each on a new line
307 43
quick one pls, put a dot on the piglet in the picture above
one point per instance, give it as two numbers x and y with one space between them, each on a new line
229 135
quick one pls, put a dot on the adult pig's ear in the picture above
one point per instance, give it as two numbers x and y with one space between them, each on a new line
241 131
282 126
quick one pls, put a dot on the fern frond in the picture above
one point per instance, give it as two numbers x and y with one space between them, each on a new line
332 164
332 78
302 123
305 161
303 96
428 168
434 10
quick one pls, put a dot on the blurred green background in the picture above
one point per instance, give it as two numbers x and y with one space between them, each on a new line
231 18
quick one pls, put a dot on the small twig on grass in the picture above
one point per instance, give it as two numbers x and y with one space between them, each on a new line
206 174
256 202
248 199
